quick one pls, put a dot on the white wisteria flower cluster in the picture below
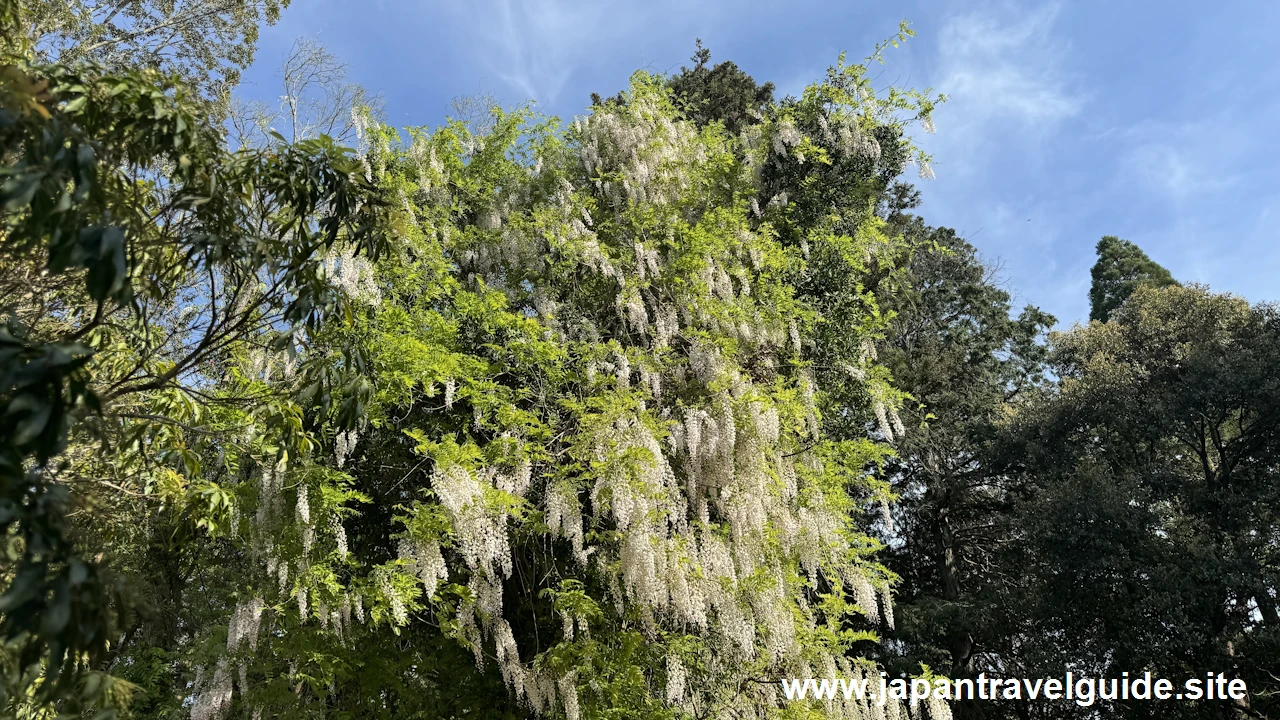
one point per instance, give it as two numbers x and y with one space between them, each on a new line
595 342
690 484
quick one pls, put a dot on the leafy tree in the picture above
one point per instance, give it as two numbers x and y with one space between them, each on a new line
822 178
595 455
1122 267
950 344
138 256
628 418
1150 542
1012 554
953 347
722 93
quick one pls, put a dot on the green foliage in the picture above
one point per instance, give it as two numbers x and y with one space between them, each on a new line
965 363
205 42
119 192
555 287
570 423
722 93
1156 512
1121 269
623 419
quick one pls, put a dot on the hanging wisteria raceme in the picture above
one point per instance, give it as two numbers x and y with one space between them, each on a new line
354 274
245 623
213 695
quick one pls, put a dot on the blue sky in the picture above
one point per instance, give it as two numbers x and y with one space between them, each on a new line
1152 121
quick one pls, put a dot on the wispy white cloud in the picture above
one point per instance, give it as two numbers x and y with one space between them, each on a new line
1012 97
531 45
1003 67
1169 171
1176 161
1194 190
537 47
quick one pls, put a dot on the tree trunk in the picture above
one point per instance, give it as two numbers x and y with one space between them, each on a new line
165 561
959 642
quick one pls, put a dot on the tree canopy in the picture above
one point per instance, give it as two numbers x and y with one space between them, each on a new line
720 93
138 254
626 417
1122 268
205 42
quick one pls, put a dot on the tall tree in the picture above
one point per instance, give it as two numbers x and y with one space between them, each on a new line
137 257
1150 542
953 345
316 99
597 456
1122 267
720 93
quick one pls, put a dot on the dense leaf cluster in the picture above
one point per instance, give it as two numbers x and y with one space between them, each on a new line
120 194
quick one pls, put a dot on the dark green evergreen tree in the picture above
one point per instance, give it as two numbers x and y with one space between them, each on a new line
966 361
705 93
1121 268
720 93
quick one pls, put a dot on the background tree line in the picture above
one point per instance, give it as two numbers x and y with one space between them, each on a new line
237 353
